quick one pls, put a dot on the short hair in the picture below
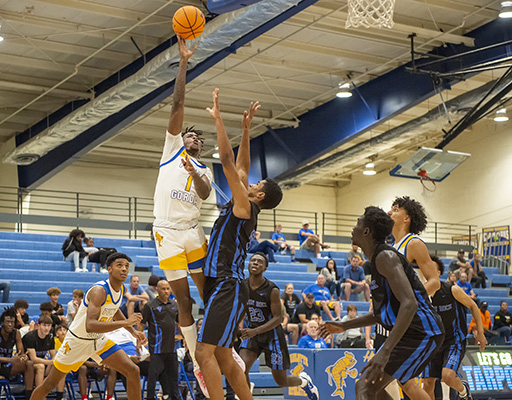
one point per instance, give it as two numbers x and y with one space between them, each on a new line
259 253
45 319
114 256
46 306
21 304
415 211
8 312
76 232
503 301
192 129
52 291
134 276
59 327
273 195
351 307
439 262
78 293
379 222
153 280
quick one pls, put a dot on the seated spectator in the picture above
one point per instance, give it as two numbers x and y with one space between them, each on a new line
290 300
5 288
354 338
265 247
280 241
323 297
151 289
135 298
57 309
309 241
503 323
305 310
98 255
74 303
21 307
491 336
459 264
466 286
73 251
452 278
354 280
332 278
479 277
12 364
47 310
312 340
355 252
60 334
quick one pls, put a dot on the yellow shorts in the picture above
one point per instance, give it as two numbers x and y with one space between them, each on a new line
74 352
330 304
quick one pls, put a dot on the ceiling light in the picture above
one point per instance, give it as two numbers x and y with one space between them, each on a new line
501 115
369 172
343 91
1 38
506 9
370 165
215 155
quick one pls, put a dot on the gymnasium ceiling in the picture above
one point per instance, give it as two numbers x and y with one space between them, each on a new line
291 69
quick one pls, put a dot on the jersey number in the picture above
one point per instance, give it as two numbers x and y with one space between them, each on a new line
189 184
256 315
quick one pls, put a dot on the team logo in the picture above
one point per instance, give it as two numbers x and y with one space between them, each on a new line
159 239
66 349
339 371
302 361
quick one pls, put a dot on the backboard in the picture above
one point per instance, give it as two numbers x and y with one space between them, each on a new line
437 163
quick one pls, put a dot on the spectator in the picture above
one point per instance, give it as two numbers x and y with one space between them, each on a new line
503 323
265 247
354 337
309 241
21 307
306 309
5 287
323 297
57 309
290 301
460 264
332 278
280 241
151 289
12 364
135 298
354 280
479 277
452 278
60 334
98 255
312 340
74 303
73 251
355 252
491 336
47 310
466 286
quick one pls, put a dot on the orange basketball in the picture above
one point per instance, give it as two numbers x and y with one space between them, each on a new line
188 22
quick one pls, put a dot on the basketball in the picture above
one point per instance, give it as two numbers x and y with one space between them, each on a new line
188 22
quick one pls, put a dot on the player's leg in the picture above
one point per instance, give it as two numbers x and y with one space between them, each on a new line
212 375
284 380
50 382
119 360
449 373
249 357
414 391
429 385
233 374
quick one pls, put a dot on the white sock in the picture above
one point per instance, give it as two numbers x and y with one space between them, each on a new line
304 382
446 391
463 392
190 335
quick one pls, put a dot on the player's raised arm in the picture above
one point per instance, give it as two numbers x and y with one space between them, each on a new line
241 206
178 102
243 159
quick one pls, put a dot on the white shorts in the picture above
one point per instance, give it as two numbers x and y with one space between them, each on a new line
74 352
180 250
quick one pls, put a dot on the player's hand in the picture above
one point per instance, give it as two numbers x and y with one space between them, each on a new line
189 167
215 110
185 53
134 319
249 115
369 345
329 328
142 340
374 370
480 338
248 333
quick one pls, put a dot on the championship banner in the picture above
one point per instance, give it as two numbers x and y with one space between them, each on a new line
496 242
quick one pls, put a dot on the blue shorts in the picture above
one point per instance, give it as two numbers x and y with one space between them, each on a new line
449 356
273 344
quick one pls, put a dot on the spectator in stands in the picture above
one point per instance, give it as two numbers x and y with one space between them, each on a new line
332 278
354 280
479 277
73 251
309 241
306 309
74 303
47 310
151 289
355 337
503 322
312 340
60 334
41 351
12 364
452 278
323 297
135 297
265 247
280 241
21 307
98 255
460 264
355 252
290 301
5 288
466 286
491 336
57 309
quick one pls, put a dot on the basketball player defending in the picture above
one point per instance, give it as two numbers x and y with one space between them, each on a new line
265 333
401 305
183 183
225 293
86 335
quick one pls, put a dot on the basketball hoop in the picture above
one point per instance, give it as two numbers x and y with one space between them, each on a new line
428 183
370 13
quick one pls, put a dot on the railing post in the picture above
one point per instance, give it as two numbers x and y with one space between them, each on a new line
77 210
20 210
274 211
435 232
316 222
135 217
323 225
130 217
470 236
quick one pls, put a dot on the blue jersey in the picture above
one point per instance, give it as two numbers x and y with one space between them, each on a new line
452 313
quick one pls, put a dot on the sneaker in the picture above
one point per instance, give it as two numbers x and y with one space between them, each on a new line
468 392
78 270
310 388
238 359
200 380
85 270
294 261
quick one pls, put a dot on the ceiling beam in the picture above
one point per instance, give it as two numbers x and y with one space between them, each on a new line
58 92
463 7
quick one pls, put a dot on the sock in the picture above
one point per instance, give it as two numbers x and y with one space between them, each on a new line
463 392
109 396
84 397
28 393
304 382
190 335
58 395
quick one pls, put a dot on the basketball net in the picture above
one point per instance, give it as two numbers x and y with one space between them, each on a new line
370 13
429 186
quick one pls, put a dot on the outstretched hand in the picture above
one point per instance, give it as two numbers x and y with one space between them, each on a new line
188 166
248 115
328 328
185 52
215 110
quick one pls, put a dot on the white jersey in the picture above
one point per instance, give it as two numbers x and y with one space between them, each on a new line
401 246
176 203
108 309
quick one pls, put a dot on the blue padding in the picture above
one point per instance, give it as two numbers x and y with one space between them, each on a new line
224 6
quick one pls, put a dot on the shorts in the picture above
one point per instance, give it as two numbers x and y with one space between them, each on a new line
273 344
449 356
307 245
74 352
180 250
225 299
330 304
411 356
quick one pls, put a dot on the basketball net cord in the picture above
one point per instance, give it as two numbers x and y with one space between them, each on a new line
428 184
370 13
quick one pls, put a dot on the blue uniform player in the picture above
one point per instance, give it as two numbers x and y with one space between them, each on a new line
225 293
